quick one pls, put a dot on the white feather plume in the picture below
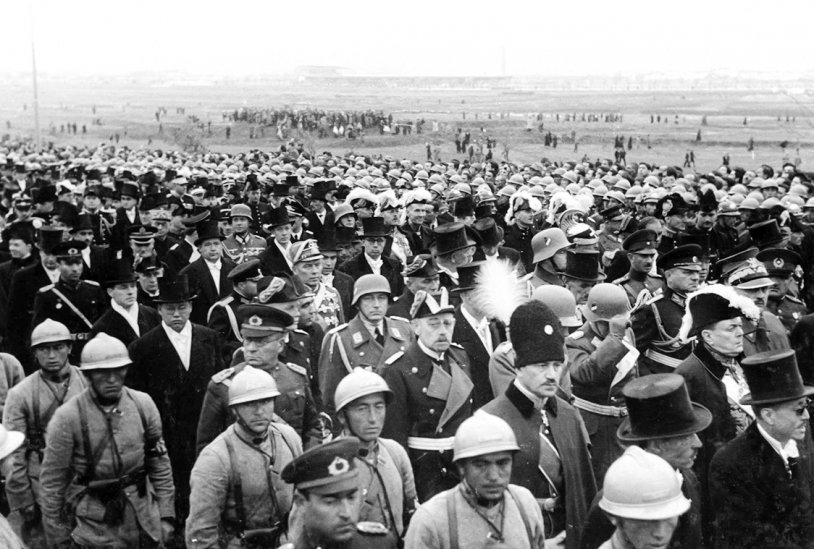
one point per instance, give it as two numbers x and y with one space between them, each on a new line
499 290
737 301
516 198
360 192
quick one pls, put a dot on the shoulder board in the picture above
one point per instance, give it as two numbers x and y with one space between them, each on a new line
621 280
399 318
577 335
394 357
174 246
225 301
46 288
371 528
453 344
654 298
794 299
92 283
297 368
338 328
301 332
654 275
223 375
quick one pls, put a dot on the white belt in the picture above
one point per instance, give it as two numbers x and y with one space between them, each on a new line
661 358
602 410
431 444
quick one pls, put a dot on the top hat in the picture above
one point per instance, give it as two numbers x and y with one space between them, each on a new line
84 222
208 230
50 237
463 207
659 406
373 227
327 242
488 231
321 189
765 234
467 276
583 266
773 377
277 217
346 235
450 238
120 272
174 289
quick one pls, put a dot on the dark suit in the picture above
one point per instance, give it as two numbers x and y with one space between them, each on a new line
7 270
272 260
343 283
24 287
178 255
391 269
202 283
219 319
419 239
114 324
757 501
177 392
118 238
316 226
520 240
465 336
99 259
402 304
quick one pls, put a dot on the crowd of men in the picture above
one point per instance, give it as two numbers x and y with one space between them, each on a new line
273 349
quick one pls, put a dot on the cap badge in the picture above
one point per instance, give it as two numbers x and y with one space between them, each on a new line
547 241
778 263
694 259
548 329
255 321
338 466
73 251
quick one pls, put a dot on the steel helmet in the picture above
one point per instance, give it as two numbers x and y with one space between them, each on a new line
642 486
360 383
370 284
104 352
605 301
560 301
548 242
49 331
483 434
251 384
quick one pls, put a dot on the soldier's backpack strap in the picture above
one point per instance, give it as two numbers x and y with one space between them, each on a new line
72 307
92 457
237 488
452 517
523 516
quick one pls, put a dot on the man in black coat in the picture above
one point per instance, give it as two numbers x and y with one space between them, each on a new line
173 363
320 217
371 260
420 274
491 238
208 275
95 258
222 316
20 239
273 259
127 215
761 482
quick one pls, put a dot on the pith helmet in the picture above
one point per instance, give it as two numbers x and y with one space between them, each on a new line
252 384
360 383
483 434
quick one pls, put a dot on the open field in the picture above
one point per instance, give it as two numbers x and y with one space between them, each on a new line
128 108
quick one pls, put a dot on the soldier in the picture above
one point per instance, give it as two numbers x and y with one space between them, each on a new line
148 271
549 247
29 408
432 394
306 262
672 210
242 245
781 265
222 316
327 500
520 229
484 509
581 274
656 321
420 274
105 457
386 476
641 251
370 340
230 504
74 302
264 330
602 358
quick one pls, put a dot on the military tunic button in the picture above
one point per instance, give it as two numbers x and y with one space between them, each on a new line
414 370
423 389
362 353
432 410
402 347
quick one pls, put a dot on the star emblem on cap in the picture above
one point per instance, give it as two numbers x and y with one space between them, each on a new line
338 466
255 321
778 263
695 259
73 251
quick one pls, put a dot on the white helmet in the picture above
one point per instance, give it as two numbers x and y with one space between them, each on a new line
359 383
640 485
49 331
252 384
483 434
104 352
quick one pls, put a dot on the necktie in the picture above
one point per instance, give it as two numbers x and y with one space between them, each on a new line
379 337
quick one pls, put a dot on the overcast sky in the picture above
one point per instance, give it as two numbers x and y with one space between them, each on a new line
419 37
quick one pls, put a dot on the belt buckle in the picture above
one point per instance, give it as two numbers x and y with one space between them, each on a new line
622 412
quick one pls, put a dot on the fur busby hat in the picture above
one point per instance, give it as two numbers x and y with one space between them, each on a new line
673 204
712 304
536 334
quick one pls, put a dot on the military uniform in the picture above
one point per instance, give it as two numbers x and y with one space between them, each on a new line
768 335
236 487
788 309
295 405
222 317
351 345
430 400
29 408
520 239
634 282
243 248
656 326
599 369
111 468
77 307
328 309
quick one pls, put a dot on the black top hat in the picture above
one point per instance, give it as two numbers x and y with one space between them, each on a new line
327 242
659 406
174 289
467 274
583 266
488 231
279 189
49 238
292 180
450 238
277 217
773 377
208 230
120 271
765 234
484 210
464 207
84 222
321 189
346 235
42 195
373 227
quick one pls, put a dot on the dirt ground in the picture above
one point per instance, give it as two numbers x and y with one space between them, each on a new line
127 108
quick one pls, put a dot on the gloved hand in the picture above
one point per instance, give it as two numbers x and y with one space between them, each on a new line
618 325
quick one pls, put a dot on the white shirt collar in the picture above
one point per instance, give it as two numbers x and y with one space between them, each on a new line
130 315
429 352
372 327
790 450
185 333
214 266
472 320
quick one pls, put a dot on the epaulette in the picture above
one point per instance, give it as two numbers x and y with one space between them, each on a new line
174 246
341 326
92 283
794 299
453 344
225 301
371 528
577 335
297 368
400 318
301 332
621 280
46 288
394 357
654 299
223 375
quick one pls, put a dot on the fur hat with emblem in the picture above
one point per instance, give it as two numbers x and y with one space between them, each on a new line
536 334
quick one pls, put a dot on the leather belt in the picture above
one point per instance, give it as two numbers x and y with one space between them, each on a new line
84 336
588 406
430 444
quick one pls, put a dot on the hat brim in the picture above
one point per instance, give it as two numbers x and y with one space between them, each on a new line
181 299
762 282
703 419
372 235
111 283
469 243
570 322
332 485
199 240
597 278
808 390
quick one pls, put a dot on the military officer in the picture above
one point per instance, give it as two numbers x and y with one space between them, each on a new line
306 262
641 252
549 247
106 459
238 498
432 394
242 245
264 330
29 407
781 265
222 316
419 274
327 500
74 302
370 340
602 358
656 322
